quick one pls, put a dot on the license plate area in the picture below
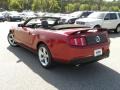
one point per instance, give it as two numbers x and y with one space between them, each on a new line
97 52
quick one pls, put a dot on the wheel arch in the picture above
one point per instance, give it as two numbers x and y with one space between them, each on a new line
11 31
115 30
97 26
39 43
118 25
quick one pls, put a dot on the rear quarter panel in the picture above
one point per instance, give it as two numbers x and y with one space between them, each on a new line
52 39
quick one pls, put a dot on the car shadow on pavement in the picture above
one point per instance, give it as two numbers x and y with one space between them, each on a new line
114 35
88 77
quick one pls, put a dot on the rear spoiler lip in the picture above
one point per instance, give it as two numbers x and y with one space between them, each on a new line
85 30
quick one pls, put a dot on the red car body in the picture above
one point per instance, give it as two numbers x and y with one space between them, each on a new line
66 42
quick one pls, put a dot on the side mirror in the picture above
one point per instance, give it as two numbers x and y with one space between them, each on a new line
106 18
21 25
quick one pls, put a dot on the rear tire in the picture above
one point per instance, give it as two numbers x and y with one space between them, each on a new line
45 56
117 30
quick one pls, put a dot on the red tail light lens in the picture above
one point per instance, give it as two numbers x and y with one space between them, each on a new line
78 41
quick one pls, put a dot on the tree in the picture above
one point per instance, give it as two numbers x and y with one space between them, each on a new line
77 6
14 5
104 8
70 8
40 5
60 5
53 5
84 7
99 4
19 4
114 8
36 5
4 4
94 7
28 4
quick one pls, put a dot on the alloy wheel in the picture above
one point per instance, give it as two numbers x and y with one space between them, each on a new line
44 56
11 40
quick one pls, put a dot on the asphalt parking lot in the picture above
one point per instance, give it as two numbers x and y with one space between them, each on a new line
20 69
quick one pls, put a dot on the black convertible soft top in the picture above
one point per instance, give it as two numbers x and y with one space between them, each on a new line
56 25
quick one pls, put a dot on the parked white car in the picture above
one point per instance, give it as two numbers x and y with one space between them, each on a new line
2 18
109 20
27 14
70 18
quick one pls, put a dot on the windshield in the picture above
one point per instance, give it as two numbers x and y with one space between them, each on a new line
76 14
50 21
97 15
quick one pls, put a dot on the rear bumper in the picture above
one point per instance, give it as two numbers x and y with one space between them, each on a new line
89 59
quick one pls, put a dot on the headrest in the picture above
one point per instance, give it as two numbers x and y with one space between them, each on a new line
44 24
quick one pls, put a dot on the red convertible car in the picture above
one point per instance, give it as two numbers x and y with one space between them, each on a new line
55 42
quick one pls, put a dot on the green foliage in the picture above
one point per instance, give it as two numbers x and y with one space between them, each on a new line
84 7
19 4
104 8
114 8
14 5
36 5
44 5
70 7
4 4
53 5
94 7
60 5
77 6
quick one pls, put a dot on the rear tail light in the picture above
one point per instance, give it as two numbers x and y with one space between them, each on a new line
78 41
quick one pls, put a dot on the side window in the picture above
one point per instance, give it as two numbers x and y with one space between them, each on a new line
119 15
113 16
85 14
32 21
107 17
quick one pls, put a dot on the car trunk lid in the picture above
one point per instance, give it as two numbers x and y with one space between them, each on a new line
83 37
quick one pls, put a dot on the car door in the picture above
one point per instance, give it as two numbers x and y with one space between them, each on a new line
26 34
110 21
